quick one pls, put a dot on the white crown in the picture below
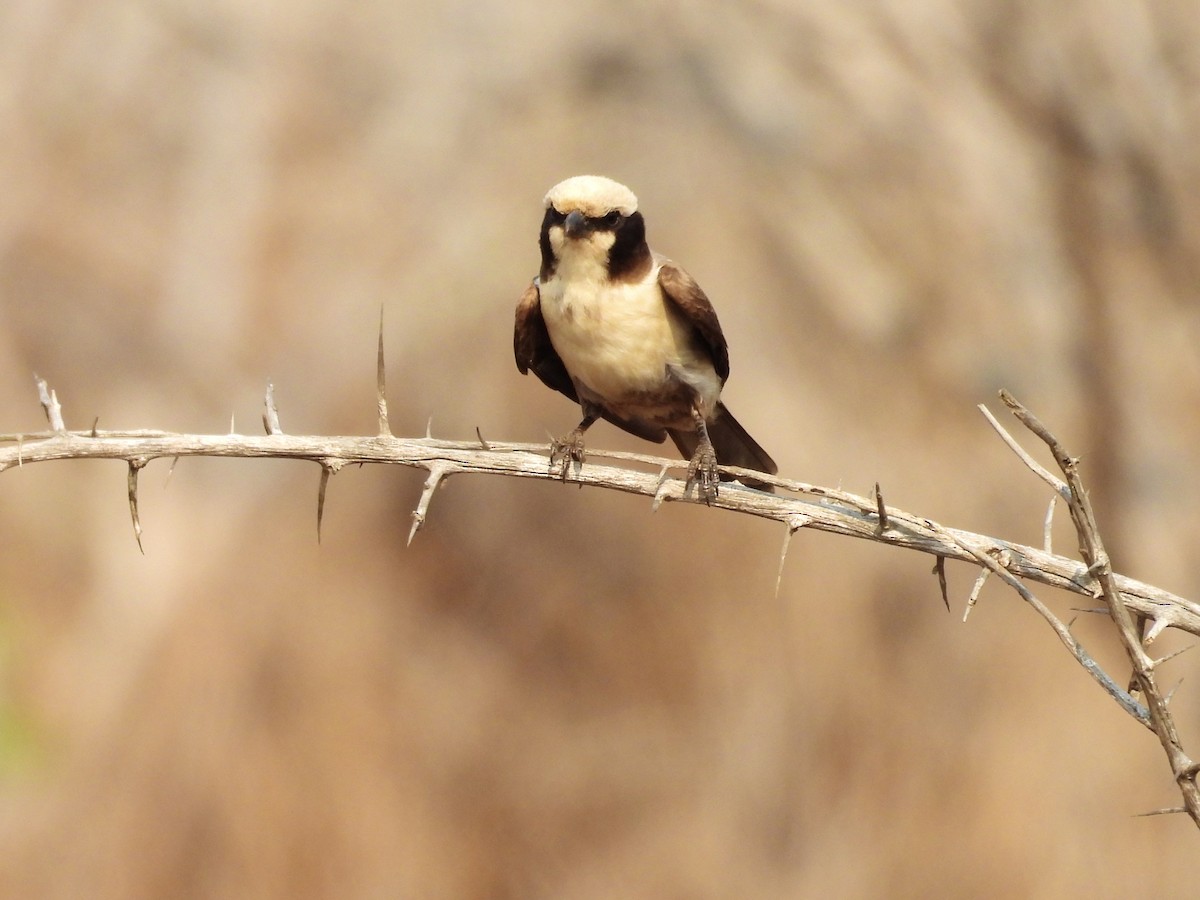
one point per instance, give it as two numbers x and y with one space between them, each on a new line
592 195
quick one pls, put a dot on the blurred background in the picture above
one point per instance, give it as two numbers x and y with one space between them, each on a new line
897 208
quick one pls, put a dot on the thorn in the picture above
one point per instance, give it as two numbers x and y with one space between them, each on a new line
385 428
1157 627
170 471
883 516
436 473
429 429
20 451
974 596
95 422
232 426
1048 524
328 467
271 412
660 492
1171 693
482 443
50 405
795 523
783 552
1154 664
325 472
1165 811
135 465
939 567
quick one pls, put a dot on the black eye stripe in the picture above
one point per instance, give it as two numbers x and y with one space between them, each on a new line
606 222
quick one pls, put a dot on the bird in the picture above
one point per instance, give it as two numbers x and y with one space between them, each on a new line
629 336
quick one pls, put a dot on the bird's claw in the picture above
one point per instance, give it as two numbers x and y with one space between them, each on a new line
566 450
702 471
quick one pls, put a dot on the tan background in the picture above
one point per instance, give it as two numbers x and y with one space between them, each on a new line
897 207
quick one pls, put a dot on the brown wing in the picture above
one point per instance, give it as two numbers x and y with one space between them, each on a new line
532 347
681 289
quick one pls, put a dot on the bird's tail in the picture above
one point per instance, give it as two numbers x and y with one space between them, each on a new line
733 445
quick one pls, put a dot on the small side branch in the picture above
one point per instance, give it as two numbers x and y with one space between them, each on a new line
1035 467
437 472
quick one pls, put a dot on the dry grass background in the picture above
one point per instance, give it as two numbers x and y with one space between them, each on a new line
897 208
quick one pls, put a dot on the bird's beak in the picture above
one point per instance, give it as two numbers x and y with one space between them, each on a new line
575 225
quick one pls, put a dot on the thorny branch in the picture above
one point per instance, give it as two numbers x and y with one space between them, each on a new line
1160 719
798 505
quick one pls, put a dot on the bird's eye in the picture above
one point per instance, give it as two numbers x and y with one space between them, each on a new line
612 219
555 217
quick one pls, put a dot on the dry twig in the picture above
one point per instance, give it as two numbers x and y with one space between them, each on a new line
1104 585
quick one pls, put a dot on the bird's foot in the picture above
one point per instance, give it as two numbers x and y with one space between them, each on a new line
567 450
702 472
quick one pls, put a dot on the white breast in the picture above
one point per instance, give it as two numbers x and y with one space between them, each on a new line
619 339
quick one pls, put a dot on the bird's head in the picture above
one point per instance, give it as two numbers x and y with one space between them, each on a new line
592 222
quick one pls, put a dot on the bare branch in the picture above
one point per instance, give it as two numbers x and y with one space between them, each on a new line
797 505
824 509
1060 488
1002 569
1100 569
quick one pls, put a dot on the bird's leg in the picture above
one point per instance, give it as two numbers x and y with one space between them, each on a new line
702 470
569 448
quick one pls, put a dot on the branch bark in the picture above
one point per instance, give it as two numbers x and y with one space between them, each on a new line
820 508
798 505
